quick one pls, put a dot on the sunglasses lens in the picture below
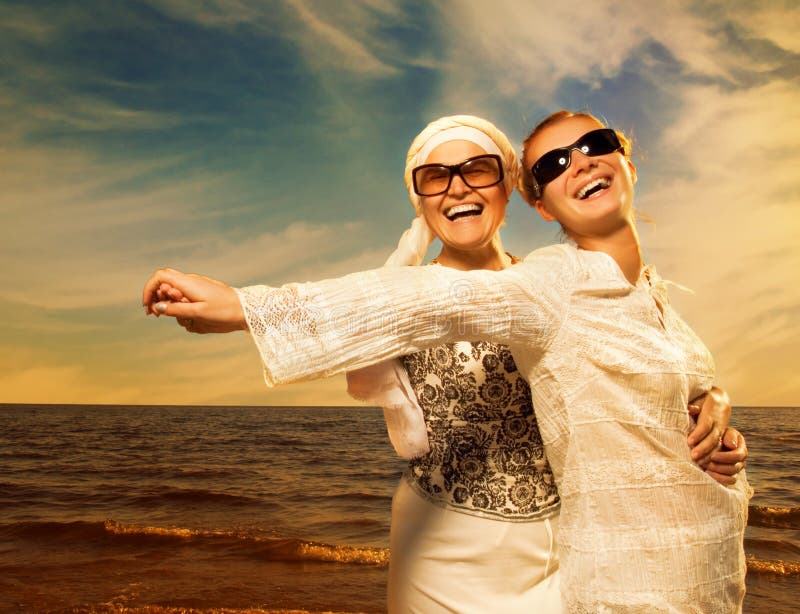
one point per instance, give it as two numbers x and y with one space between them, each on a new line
482 171
551 165
598 142
430 180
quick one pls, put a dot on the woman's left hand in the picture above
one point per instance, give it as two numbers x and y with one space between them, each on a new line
713 412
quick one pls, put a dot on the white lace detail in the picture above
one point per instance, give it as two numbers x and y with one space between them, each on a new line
280 310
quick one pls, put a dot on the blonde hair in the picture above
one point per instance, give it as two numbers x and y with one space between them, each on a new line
530 190
508 155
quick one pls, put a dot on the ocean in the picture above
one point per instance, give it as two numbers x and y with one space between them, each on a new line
262 509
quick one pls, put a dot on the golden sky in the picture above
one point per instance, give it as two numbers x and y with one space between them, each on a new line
263 142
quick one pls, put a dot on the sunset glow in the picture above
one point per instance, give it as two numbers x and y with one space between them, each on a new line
264 142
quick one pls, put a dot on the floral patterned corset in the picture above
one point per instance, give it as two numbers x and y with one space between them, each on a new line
486 456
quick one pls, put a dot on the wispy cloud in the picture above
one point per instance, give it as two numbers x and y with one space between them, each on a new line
344 46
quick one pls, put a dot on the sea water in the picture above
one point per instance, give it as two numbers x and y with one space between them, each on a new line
167 509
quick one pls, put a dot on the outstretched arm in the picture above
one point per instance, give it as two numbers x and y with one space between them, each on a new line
312 330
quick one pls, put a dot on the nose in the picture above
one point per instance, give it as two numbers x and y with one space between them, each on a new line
458 186
580 162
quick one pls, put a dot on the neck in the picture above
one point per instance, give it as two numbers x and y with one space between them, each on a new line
491 257
622 245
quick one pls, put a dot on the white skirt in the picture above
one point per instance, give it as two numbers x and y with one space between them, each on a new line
447 561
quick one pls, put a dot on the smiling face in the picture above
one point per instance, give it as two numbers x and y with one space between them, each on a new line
463 218
594 196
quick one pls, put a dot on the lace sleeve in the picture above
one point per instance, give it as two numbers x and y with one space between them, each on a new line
312 330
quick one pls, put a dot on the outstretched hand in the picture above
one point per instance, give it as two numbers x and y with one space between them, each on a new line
199 304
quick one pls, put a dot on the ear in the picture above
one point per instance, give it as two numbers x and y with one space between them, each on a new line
546 215
633 170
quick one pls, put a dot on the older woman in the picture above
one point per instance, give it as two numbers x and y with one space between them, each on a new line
474 518
576 358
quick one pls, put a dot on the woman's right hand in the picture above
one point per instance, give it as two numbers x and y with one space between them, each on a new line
730 460
200 304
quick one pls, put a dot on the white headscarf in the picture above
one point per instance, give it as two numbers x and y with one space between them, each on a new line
386 384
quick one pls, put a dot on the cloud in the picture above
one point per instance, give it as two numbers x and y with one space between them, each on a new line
727 226
777 21
216 13
525 53
342 46
532 48
95 278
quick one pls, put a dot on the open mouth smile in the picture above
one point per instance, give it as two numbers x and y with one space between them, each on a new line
593 187
463 211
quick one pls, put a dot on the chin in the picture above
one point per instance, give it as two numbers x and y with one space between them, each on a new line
466 241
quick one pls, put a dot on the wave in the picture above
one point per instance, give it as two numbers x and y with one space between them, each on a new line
110 535
774 517
778 568
269 548
178 495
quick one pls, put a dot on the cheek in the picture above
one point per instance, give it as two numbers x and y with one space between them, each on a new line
497 200
430 208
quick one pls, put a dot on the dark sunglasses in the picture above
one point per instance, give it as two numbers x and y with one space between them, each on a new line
595 143
477 172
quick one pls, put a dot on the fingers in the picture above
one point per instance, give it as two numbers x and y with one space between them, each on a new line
150 292
709 439
727 463
725 468
184 310
734 440
166 292
696 404
730 455
725 480
712 420
702 428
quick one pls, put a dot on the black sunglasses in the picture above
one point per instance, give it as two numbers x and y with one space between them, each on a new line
595 143
477 172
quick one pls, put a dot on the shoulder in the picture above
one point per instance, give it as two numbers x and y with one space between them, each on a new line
559 260
557 251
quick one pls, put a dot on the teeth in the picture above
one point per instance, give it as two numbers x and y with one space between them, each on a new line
452 212
600 183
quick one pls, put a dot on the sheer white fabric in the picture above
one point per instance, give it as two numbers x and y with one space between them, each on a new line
611 367
386 385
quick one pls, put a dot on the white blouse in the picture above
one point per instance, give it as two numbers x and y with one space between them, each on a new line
611 368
